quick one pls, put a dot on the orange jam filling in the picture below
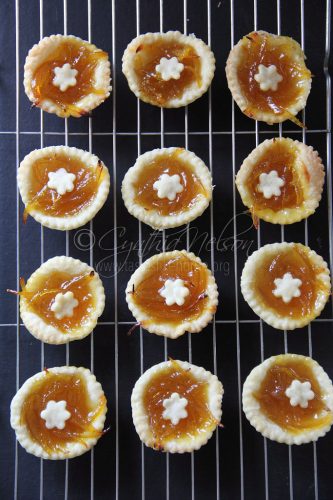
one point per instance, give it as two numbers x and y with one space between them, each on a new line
147 297
199 417
276 405
40 297
71 388
293 260
146 195
150 82
48 201
80 57
281 158
263 49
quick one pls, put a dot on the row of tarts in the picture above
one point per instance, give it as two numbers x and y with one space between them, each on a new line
60 412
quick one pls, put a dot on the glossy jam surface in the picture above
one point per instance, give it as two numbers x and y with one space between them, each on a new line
146 195
79 55
40 297
264 49
280 157
276 405
160 387
150 82
294 260
146 292
71 388
48 201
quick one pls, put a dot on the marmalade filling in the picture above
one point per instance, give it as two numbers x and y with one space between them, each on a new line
71 388
146 293
40 297
276 405
281 158
150 82
267 50
147 197
48 201
81 58
294 260
160 387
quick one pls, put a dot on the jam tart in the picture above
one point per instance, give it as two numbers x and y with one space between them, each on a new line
59 413
289 398
66 75
62 300
171 293
286 284
167 187
62 188
281 181
176 406
268 78
168 70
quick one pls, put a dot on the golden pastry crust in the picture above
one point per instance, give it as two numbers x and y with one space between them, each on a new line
48 333
41 51
164 328
68 222
192 92
95 392
235 60
310 174
152 217
267 427
269 315
140 418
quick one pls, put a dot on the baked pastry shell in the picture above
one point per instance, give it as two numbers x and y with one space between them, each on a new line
48 333
266 426
151 217
41 51
95 392
65 222
233 62
172 330
312 182
141 420
192 92
252 266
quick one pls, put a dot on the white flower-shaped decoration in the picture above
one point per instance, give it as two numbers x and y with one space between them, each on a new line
287 287
174 292
174 408
64 77
61 180
299 393
268 77
270 184
55 414
63 305
168 186
169 68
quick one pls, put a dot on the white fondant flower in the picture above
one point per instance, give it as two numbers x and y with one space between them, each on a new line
168 186
269 184
268 77
63 305
287 287
300 393
64 77
174 292
55 414
174 408
61 180
169 68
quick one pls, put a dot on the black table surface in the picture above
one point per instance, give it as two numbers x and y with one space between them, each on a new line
237 462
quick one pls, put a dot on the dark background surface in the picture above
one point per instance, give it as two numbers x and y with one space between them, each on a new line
237 463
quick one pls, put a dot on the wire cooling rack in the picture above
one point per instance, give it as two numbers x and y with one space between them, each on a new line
237 463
